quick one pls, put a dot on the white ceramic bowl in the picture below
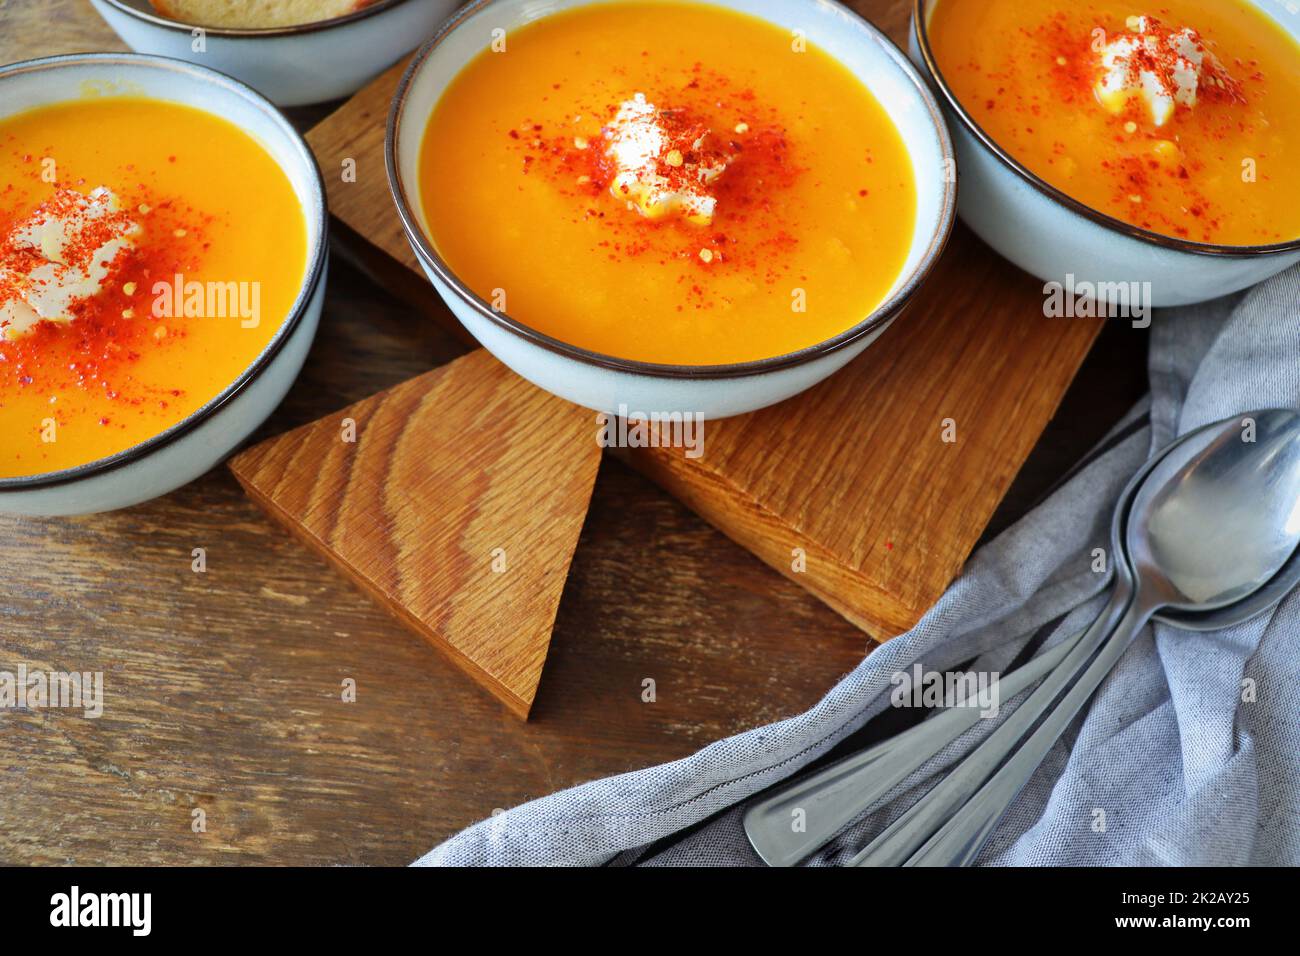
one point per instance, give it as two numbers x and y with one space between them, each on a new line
605 382
208 435
1054 237
291 66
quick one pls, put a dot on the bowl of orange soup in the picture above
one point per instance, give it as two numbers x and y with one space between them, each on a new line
662 207
162 268
1135 154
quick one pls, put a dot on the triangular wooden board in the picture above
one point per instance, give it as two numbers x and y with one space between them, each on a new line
457 507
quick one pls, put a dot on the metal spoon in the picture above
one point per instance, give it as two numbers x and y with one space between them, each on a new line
1207 529
796 820
1204 534
1261 601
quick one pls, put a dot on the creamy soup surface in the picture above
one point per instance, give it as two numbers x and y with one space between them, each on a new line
1181 116
666 182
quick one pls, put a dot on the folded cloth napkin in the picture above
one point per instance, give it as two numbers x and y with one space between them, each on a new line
1189 754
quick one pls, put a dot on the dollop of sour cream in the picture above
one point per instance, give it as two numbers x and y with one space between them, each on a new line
1165 68
67 246
662 166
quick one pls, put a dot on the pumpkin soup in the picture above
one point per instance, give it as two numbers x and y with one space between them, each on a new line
148 254
1181 117
666 182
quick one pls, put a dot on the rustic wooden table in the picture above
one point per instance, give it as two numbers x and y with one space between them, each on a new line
223 690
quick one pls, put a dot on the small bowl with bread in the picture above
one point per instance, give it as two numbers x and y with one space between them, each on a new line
293 52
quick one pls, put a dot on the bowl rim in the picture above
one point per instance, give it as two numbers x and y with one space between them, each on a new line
920 32
312 278
879 317
312 26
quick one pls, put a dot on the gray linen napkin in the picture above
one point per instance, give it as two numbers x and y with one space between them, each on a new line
1189 754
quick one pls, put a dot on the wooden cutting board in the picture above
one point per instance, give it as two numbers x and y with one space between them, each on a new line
871 489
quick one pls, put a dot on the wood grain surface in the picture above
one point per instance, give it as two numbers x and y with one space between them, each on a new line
224 689
849 489
454 499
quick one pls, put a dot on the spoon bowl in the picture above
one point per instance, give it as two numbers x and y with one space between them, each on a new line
1249 607
1212 525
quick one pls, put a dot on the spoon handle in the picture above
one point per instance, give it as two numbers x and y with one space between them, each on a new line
959 840
924 818
791 824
